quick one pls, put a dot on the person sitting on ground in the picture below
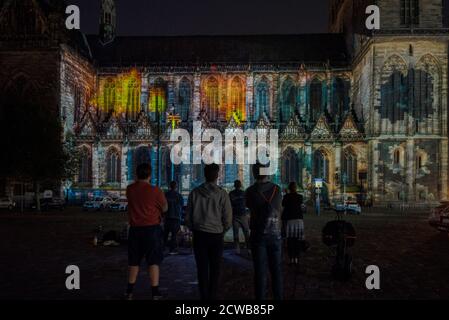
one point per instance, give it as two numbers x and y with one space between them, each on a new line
240 217
146 204
209 216
172 222
293 223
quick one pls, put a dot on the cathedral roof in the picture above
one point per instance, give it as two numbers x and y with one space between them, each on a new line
254 49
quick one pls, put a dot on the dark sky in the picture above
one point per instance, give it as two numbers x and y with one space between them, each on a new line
193 17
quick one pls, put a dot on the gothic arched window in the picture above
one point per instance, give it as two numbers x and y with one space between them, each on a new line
340 96
113 166
19 90
349 166
109 96
85 166
238 98
320 165
184 99
212 99
158 97
262 100
288 100
133 99
316 92
422 94
290 167
394 97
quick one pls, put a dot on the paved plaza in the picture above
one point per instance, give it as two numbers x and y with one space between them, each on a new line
35 250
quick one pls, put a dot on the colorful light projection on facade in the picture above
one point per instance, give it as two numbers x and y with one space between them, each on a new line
236 105
119 94
221 106
158 96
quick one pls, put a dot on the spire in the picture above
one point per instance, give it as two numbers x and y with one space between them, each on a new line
107 21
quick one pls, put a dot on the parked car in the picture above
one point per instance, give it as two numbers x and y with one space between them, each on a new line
439 217
6 203
56 203
49 204
98 203
120 204
349 207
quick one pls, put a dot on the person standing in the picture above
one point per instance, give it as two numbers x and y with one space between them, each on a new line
292 218
208 215
240 218
146 204
264 200
172 222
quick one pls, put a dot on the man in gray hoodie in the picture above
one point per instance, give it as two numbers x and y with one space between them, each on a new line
209 216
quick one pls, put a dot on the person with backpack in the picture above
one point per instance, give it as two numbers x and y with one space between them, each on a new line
172 222
209 216
146 204
264 200
293 223
240 218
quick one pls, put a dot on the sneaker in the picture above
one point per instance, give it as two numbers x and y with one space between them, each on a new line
173 253
128 296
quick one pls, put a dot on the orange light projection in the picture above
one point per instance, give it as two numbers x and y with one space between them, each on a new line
120 93
231 105
236 105
158 96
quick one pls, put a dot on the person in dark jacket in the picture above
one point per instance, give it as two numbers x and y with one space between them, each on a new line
240 217
172 221
293 223
264 200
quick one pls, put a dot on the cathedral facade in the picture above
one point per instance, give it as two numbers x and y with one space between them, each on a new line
365 112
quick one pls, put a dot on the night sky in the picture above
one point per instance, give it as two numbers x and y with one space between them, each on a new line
210 17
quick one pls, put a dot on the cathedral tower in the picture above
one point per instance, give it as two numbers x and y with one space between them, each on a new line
400 87
107 21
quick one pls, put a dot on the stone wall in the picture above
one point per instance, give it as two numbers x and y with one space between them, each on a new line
430 14
77 85
37 70
413 136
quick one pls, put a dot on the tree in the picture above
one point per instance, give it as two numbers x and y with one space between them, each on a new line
33 145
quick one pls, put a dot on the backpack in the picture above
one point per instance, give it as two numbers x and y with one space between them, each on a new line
267 221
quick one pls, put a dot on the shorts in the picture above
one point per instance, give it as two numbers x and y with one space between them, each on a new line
145 242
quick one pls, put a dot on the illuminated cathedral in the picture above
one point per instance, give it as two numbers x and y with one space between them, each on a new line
364 111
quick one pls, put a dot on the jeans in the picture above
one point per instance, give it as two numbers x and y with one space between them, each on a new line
171 226
267 254
208 250
237 223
